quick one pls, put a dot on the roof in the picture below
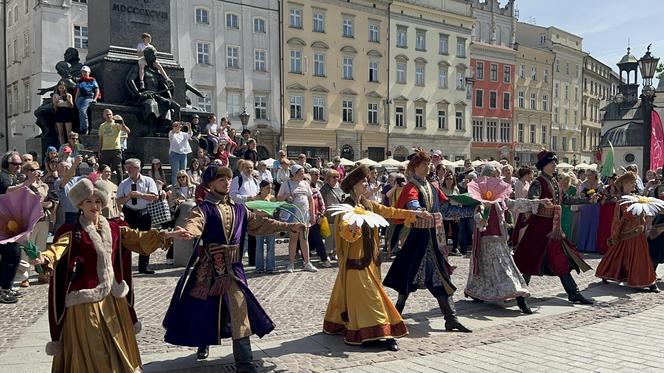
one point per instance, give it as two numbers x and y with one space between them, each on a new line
628 134
628 58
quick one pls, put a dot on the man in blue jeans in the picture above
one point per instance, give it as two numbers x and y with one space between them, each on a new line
87 92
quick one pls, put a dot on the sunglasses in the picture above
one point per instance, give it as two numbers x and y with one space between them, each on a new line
182 177
74 138
32 169
15 163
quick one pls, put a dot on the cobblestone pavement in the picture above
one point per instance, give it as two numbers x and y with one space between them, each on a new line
296 302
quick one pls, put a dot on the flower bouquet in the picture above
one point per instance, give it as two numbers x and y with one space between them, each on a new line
489 190
21 210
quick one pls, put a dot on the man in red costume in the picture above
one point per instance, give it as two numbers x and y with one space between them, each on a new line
543 249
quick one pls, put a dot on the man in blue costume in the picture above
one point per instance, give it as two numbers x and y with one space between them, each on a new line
212 300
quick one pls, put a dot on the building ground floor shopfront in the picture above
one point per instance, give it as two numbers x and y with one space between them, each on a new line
326 144
492 151
453 147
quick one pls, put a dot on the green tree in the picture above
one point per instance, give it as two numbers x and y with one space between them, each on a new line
660 71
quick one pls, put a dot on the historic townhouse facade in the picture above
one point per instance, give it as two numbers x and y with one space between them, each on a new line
492 61
334 77
532 102
567 94
596 94
429 67
230 52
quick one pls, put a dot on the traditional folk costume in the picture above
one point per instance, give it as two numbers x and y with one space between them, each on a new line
91 315
493 275
628 259
544 249
606 212
422 262
212 299
359 309
656 241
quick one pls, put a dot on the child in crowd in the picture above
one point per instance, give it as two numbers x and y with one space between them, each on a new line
265 265
147 39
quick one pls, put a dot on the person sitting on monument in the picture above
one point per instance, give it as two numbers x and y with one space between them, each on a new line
147 38
156 100
63 104
87 92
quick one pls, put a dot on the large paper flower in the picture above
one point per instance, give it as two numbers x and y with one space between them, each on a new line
489 189
642 205
20 212
358 216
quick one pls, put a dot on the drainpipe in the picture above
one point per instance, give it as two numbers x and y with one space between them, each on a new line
282 118
389 60
4 69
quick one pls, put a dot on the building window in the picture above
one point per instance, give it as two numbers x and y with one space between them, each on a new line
319 22
399 113
522 99
233 104
233 57
259 26
566 92
319 109
522 71
479 70
442 119
202 16
461 47
372 113
533 73
507 74
556 115
533 101
295 107
505 132
494 72
443 44
573 144
491 130
260 107
202 53
533 134
259 60
544 135
401 72
347 30
419 75
542 39
478 131
519 134
296 62
373 71
10 97
374 33
506 100
479 98
442 77
26 44
460 79
458 119
493 99
319 64
402 37
232 21
205 103
419 117
295 17
556 90
347 111
420 40
545 102
557 65
348 68
546 75
26 100
81 37
564 143
554 142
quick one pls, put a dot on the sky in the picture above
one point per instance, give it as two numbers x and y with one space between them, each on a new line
605 25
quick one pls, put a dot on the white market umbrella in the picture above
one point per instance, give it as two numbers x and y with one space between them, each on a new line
593 166
565 165
405 163
390 163
582 166
346 162
477 163
459 163
368 162
269 162
448 163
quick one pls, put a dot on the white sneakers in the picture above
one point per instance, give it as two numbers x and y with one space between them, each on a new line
307 267
289 268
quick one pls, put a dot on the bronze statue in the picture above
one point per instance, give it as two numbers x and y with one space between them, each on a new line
158 108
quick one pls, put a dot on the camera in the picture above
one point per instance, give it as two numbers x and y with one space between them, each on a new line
185 128
86 155
400 181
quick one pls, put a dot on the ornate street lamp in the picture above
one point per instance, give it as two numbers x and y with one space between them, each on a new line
648 66
244 118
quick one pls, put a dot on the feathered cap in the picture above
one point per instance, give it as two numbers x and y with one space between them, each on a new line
358 174
544 158
85 189
628 176
214 172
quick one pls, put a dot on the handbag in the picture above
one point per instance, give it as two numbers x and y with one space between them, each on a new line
325 227
159 211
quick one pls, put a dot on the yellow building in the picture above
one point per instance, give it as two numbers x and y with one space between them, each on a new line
334 78
429 66
532 102
596 95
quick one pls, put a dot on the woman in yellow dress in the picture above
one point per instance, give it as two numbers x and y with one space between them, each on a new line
359 309
91 315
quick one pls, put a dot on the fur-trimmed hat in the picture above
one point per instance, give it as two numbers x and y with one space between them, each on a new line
85 189
214 172
418 158
624 178
544 158
357 175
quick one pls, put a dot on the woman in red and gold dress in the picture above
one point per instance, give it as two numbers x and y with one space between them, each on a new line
628 259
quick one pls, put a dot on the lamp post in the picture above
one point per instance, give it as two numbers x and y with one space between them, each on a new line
244 118
648 66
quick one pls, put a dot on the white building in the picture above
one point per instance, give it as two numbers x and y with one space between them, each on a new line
229 50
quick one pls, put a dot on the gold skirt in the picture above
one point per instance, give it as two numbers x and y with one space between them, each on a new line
98 337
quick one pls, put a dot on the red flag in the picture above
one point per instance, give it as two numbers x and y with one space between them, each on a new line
656 142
